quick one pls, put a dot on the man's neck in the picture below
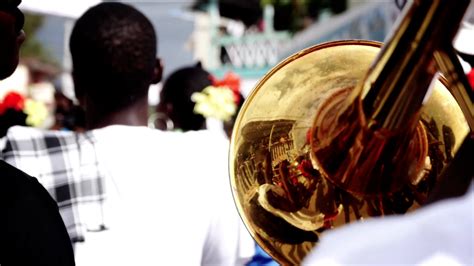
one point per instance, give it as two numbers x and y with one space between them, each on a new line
133 115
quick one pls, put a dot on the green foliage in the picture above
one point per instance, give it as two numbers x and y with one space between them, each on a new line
33 23
32 48
294 15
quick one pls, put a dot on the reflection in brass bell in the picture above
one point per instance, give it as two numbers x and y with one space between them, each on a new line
345 130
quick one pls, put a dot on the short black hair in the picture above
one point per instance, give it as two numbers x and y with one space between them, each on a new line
113 48
177 90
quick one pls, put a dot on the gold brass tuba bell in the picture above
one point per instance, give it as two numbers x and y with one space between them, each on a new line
346 130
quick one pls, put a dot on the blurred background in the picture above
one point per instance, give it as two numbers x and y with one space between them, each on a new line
246 37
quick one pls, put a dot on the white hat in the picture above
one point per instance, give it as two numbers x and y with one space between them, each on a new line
464 40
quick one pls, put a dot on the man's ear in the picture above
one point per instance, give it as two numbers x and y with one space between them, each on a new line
157 71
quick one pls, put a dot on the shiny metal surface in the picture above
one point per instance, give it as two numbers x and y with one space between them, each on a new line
284 201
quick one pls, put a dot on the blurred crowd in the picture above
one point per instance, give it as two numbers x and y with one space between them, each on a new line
33 97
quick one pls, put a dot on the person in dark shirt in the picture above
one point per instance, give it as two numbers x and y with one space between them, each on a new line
31 229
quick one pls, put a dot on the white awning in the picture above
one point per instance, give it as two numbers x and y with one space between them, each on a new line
70 9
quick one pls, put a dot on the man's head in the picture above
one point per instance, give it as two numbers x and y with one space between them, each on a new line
11 36
113 49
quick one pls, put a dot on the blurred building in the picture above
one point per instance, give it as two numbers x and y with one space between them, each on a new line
226 41
367 20
223 44
231 35
170 19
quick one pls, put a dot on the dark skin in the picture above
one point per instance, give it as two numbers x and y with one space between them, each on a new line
135 114
10 44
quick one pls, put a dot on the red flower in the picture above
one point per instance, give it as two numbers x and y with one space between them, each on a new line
13 100
230 80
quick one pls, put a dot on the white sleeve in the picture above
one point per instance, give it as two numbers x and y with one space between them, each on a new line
228 242
438 234
246 245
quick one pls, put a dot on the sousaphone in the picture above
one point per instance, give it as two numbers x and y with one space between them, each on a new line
346 130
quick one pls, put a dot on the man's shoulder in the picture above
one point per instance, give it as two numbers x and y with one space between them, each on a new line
402 239
53 157
31 220
207 138
16 185
65 163
13 177
23 140
21 132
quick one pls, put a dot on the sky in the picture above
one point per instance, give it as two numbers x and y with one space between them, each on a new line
170 19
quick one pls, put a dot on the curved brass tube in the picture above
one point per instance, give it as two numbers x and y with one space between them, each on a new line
345 130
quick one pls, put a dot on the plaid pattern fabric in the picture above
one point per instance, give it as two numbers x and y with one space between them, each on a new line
65 163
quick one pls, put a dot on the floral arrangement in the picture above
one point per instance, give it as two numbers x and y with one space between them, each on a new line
220 100
35 112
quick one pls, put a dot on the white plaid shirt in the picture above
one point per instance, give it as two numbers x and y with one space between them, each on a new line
65 163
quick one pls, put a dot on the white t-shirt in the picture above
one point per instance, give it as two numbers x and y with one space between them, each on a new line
169 201
439 234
